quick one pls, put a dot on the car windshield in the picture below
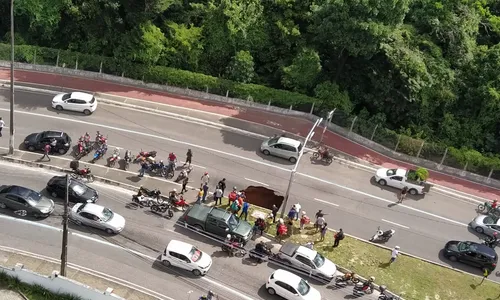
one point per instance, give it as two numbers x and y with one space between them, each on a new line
391 172
195 254
489 220
79 189
66 96
319 260
303 287
273 141
107 214
232 222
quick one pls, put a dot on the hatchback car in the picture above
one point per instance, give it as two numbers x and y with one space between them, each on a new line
485 224
282 147
76 101
186 256
473 254
37 141
97 216
24 201
290 286
79 192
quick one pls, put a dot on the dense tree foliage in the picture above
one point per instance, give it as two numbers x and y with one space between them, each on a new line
429 68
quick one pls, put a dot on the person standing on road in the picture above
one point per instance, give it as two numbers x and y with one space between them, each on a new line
2 124
402 195
205 192
244 209
338 237
143 169
46 151
222 185
205 179
394 254
218 195
189 157
184 184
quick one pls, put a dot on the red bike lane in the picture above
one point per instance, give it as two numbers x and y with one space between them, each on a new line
293 125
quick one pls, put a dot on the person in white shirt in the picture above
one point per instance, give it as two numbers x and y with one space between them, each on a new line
218 195
205 179
394 254
2 124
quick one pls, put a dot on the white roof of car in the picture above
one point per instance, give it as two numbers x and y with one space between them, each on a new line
82 96
287 277
179 247
289 141
400 172
309 253
93 209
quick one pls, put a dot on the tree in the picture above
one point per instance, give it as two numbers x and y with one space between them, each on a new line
143 45
184 46
241 68
301 75
332 97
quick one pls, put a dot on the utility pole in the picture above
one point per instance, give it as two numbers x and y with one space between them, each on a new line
327 121
294 170
11 129
64 250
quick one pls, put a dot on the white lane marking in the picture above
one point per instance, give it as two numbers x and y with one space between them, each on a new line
89 271
385 200
258 182
394 223
222 286
30 223
329 203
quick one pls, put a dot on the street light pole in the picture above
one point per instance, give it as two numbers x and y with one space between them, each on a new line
64 250
11 129
294 170
327 121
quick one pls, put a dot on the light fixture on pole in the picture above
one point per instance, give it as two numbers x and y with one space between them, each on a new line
327 121
294 170
11 129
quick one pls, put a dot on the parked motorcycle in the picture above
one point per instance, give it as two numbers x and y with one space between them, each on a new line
158 168
260 253
127 159
233 247
155 194
318 155
100 152
114 158
382 236
346 279
100 139
486 208
183 174
145 155
361 289
491 242
143 201
384 294
80 149
181 203
84 173
162 208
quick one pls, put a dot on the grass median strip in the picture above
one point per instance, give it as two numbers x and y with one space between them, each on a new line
408 277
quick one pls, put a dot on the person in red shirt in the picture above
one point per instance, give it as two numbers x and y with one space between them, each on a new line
494 204
46 151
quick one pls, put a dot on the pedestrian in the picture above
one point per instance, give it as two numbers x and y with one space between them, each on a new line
274 210
184 184
143 169
222 185
234 207
200 195
319 222
304 219
46 151
292 214
402 195
205 179
205 192
218 195
189 156
233 196
2 124
338 237
244 209
320 213
324 228
394 254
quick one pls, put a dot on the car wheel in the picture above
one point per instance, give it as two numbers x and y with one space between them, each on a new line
2 205
31 148
198 227
87 112
59 107
166 263
196 272
479 229
452 258
21 213
413 191
62 151
292 160
382 182
271 291
266 152
109 231
54 194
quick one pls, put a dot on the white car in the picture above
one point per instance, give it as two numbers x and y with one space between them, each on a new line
97 216
283 147
398 178
290 286
76 101
186 256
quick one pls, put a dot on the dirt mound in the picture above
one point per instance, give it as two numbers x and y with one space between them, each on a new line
263 197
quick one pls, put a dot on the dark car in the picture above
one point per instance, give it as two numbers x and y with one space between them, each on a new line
473 254
24 201
78 191
37 141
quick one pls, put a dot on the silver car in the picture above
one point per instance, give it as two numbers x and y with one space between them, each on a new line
283 147
97 216
485 224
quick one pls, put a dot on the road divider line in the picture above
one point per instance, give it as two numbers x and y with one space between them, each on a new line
394 223
329 203
258 182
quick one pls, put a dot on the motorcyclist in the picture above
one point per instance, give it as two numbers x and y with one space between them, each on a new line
494 204
349 276
323 152
492 241
172 158
261 248
172 195
368 285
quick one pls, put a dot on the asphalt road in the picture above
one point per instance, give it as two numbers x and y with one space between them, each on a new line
145 233
423 224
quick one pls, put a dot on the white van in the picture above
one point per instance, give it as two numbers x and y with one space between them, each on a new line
283 147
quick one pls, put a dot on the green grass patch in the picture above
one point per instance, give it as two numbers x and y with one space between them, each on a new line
32 292
408 277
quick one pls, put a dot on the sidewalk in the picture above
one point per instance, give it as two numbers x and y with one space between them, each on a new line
243 117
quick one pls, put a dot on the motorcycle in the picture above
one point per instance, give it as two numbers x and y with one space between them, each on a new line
115 157
155 194
361 289
100 152
80 149
84 173
162 208
320 155
100 139
260 255
344 280
233 248
382 236
183 174
143 201
490 242
179 203
158 168
145 155
486 208
127 159
383 294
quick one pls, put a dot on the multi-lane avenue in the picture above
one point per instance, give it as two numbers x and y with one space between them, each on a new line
423 224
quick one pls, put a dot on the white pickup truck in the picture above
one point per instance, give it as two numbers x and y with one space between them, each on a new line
399 178
307 260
